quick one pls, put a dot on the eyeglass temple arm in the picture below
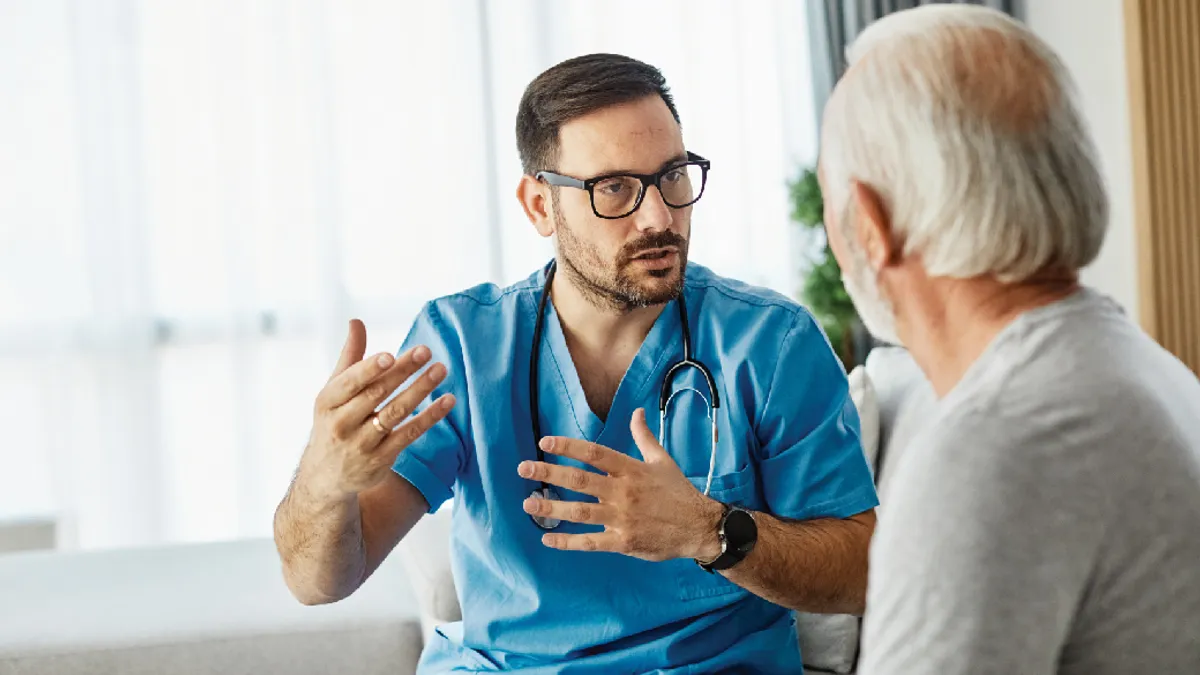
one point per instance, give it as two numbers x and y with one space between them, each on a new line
559 180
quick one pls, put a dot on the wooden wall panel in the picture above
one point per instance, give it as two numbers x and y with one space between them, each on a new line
1163 54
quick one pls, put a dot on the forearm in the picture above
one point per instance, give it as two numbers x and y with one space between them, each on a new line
817 566
320 544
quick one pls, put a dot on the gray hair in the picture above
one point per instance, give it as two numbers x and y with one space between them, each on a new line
964 123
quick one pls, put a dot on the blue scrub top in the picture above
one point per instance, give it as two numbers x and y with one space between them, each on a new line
788 445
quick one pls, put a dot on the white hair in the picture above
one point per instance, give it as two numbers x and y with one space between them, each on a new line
963 122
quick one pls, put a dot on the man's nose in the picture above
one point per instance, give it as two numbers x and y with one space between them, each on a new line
653 215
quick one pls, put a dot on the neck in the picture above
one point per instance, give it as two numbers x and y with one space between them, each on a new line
948 327
595 325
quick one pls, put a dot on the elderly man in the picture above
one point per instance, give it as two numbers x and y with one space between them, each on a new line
1049 520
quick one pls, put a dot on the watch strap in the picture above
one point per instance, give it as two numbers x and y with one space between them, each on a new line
730 555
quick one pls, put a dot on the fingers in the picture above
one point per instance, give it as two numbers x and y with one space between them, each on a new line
399 408
606 459
347 384
586 513
362 405
600 541
568 477
401 438
353 349
652 452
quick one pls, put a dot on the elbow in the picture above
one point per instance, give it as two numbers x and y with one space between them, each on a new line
309 598
312 573
307 592
299 581
304 582
306 596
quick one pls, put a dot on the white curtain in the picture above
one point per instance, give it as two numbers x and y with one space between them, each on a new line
195 195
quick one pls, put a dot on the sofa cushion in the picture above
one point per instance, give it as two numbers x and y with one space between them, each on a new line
829 642
866 400
425 554
195 609
906 402
367 649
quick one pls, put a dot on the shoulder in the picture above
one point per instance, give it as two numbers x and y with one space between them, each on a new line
703 281
981 463
747 310
481 304
974 442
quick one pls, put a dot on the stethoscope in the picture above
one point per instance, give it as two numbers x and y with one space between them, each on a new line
712 402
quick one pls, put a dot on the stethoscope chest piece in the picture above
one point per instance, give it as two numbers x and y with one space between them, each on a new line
545 522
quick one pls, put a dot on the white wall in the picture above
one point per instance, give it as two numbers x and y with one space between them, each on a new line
1089 35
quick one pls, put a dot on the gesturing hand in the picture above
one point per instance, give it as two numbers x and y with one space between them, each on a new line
347 452
649 509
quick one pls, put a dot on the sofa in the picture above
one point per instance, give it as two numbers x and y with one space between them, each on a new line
223 608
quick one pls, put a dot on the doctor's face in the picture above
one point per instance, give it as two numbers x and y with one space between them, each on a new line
633 261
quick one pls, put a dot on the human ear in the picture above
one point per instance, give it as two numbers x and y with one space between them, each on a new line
535 200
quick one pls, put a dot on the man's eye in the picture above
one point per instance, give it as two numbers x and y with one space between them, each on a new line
611 188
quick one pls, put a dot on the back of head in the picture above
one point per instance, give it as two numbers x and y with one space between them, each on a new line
964 123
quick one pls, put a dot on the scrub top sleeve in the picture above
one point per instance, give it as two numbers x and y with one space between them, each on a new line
433 462
813 464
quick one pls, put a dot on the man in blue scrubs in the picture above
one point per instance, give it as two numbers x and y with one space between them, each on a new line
645 572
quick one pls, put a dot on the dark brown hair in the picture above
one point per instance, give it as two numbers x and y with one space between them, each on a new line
573 89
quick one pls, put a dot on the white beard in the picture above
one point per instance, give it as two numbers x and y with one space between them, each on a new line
877 312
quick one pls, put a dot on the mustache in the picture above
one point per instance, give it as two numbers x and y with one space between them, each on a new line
650 242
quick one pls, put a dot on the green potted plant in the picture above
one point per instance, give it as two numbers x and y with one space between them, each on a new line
823 292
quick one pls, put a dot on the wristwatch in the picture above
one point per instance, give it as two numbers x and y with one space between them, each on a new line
738 534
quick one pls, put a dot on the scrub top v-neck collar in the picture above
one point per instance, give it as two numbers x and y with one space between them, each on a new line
643 372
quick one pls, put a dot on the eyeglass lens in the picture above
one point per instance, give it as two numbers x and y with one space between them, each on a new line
617 196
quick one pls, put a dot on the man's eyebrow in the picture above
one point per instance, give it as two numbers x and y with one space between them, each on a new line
677 159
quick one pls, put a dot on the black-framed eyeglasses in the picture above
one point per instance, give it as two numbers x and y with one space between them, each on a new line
617 195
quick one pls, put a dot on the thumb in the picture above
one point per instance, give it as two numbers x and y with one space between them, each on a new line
652 452
355 347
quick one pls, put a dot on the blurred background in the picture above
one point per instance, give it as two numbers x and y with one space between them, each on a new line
196 195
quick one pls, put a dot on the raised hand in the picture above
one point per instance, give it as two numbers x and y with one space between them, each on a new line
352 447
649 509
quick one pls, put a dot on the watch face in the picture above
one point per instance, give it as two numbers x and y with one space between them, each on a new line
740 530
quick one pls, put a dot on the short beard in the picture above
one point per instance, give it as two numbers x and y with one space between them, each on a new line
877 312
607 287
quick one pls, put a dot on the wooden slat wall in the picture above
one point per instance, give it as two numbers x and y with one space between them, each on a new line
1163 53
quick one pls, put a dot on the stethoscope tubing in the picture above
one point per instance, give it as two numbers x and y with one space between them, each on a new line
713 401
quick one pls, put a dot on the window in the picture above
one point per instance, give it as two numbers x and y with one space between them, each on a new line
203 192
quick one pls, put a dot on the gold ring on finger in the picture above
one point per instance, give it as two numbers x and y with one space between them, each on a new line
378 425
